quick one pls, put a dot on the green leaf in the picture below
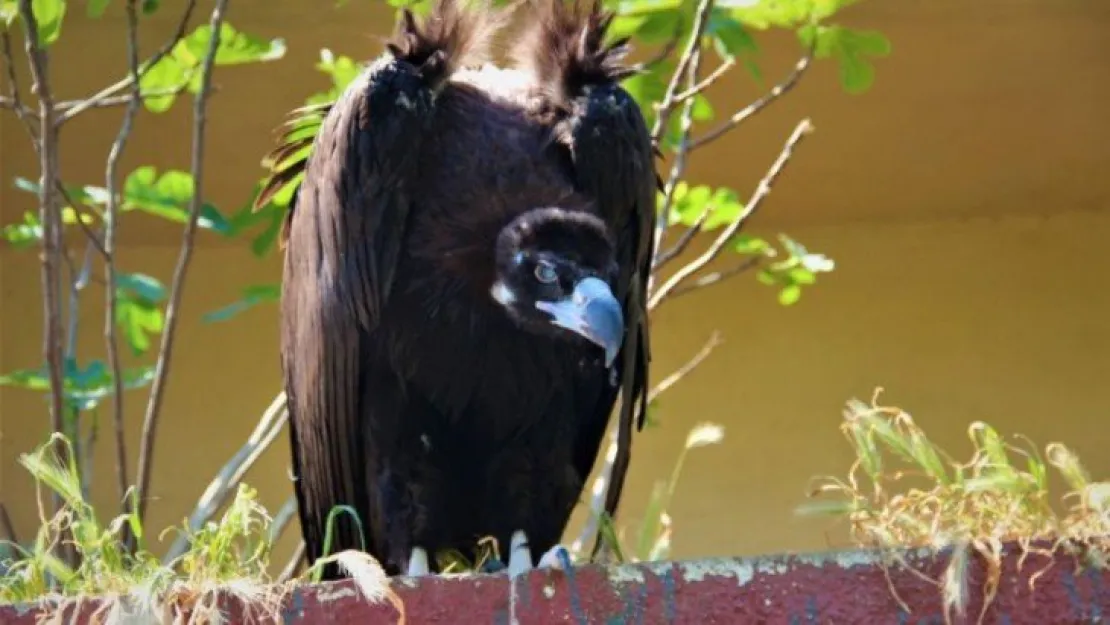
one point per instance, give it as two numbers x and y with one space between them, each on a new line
168 196
9 10
150 7
141 287
27 378
747 244
96 8
341 69
851 49
790 294
235 47
138 310
252 296
163 78
49 14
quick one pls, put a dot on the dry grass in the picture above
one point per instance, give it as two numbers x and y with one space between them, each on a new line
904 491
226 558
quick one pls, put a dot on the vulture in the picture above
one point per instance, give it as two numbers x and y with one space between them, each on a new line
466 258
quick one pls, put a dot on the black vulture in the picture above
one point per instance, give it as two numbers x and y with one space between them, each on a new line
463 296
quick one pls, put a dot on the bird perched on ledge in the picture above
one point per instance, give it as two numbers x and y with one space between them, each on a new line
466 261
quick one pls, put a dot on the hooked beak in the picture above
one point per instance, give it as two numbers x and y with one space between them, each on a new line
592 312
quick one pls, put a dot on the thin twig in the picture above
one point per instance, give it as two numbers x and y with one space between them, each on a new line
740 116
165 352
15 101
78 213
111 219
679 374
664 52
50 219
706 82
123 99
666 256
282 519
667 104
221 487
762 190
295 562
678 166
114 89
717 276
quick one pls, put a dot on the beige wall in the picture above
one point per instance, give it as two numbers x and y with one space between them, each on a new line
964 199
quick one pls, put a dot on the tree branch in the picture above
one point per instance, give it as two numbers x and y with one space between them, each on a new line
110 224
165 352
762 190
717 276
679 374
113 90
667 104
743 114
51 221
15 101
227 480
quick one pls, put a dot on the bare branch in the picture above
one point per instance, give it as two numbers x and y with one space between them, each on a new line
295 562
678 167
115 89
50 217
666 256
123 99
708 81
15 101
717 276
740 116
111 218
666 51
284 515
227 480
94 239
685 370
165 352
667 104
762 190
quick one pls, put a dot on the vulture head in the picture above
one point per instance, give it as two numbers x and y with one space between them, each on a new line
553 274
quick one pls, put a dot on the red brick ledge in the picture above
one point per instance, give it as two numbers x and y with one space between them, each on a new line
834 587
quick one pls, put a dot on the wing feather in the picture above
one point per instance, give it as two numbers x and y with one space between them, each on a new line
344 239
613 159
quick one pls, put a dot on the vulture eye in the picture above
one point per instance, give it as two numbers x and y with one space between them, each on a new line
545 272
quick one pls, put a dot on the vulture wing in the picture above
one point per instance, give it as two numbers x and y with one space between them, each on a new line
342 246
613 162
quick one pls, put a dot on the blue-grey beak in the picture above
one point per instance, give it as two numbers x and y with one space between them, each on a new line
593 312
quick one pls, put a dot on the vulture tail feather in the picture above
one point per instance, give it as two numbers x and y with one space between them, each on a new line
564 49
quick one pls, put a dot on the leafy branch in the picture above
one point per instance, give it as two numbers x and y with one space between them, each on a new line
137 305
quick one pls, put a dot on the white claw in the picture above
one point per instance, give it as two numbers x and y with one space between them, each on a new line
418 562
554 558
520 556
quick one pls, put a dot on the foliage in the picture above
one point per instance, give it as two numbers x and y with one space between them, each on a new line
142 302
903 490
230 552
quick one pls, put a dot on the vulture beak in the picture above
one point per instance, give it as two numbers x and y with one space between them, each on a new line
593 312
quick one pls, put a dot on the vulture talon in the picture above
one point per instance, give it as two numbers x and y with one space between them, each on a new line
558 558
520 556
418 563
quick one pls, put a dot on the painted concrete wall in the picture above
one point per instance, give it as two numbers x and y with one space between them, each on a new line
964 199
